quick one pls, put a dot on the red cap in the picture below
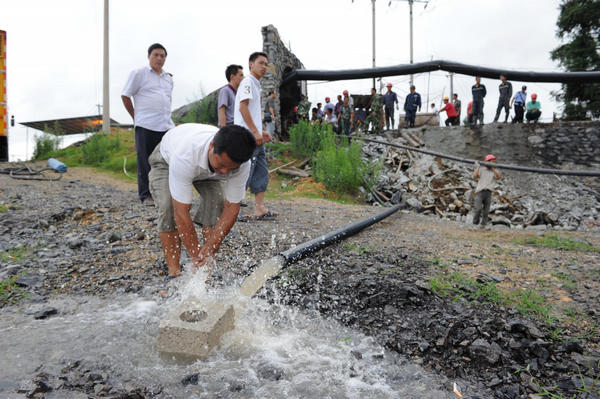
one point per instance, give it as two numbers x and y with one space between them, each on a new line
327 98
489 157
345 92
389 85
534 95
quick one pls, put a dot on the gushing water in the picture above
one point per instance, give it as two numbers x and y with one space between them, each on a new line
275 351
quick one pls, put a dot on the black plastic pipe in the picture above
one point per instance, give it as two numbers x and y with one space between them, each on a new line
594 173
293 254
449 66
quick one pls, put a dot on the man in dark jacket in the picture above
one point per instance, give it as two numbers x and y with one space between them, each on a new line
479 93
412 102
506 91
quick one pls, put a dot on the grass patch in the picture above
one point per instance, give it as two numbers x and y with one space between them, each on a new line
3 208
557 242
358 248
15 254
102 151
457 285
10 292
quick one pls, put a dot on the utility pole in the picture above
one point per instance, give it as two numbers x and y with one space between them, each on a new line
373 4
410 7
451 85
105 91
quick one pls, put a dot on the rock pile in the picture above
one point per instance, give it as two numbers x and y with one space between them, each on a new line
442 187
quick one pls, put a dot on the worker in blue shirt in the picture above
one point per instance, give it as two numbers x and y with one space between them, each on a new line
389 99
412 102
519 100
479 93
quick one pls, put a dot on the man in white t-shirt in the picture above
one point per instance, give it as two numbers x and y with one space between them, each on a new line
248 113
151 88
216 164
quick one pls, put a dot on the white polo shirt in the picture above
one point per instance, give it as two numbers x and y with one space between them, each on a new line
151 94
249 90
185 149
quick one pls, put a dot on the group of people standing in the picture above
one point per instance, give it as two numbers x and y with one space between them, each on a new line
220 164
532 109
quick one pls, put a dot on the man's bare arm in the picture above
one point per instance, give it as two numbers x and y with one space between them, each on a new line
220 230
222 116
249 122
128 106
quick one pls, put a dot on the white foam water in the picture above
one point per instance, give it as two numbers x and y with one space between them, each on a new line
274 351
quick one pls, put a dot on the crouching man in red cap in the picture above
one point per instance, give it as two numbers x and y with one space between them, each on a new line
485 178
533 109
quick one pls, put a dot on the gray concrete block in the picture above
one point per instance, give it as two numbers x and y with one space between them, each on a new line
194 328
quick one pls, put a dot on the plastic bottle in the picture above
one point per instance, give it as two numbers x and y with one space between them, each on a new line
57 165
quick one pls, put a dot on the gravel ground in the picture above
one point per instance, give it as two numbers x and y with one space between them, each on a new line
87 234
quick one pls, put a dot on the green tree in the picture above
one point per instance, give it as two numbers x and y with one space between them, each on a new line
579 26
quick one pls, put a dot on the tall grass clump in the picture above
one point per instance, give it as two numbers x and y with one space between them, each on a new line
99 148
45 145
306 138
336 161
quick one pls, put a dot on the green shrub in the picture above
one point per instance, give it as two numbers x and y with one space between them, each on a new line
45 145
203 111
336 161
99 148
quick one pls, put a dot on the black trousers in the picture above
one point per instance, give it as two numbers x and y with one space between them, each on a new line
502 103
533 115
409 119
389 115
519 111
478 111
146 141
451 120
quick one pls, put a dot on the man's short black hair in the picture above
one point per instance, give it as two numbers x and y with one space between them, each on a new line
455 94
155 46
257 54
271 92
235 141
319 104
232 70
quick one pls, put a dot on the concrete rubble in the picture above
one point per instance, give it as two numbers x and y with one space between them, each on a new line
433 185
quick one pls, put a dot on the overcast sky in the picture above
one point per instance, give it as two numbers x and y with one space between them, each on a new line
54 48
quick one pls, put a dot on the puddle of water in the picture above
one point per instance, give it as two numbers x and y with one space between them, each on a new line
313 357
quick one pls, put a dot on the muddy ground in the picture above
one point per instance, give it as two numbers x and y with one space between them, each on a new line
512 318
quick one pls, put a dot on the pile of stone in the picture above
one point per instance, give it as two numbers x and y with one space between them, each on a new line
442 187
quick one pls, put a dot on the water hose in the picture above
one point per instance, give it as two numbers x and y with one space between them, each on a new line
448 66
301 250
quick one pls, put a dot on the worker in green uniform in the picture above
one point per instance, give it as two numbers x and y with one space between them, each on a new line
304 108
375 112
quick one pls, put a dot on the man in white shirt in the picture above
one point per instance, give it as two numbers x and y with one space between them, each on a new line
215 163
248 113
151 89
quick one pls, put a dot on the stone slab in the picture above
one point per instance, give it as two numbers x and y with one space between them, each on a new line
197 337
